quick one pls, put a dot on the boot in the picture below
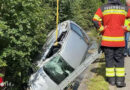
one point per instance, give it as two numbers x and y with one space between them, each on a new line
120 82
111 80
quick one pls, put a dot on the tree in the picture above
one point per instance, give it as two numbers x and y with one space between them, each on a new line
24 25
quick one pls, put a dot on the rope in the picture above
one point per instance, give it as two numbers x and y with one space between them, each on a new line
57 20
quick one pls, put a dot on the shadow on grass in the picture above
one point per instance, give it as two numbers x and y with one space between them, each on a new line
100 70
100 60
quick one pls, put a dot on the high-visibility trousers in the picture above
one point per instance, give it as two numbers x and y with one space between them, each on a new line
114 57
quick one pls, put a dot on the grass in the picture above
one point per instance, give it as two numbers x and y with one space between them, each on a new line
98 81
94 35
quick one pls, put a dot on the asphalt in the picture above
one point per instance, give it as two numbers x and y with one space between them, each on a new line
127 80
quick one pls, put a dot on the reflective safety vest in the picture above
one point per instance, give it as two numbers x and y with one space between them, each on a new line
127 24
109 21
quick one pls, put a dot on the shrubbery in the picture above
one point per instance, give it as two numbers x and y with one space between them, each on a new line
24 25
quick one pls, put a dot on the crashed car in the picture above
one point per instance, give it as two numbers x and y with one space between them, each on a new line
58 64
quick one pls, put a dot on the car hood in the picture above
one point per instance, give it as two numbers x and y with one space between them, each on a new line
38 81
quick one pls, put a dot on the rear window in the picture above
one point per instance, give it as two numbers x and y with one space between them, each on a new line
57 69
76 29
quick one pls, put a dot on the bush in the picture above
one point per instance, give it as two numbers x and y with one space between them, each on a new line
23 29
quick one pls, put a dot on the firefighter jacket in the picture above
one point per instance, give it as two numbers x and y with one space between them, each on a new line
109 21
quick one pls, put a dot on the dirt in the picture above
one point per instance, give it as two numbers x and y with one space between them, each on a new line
87 75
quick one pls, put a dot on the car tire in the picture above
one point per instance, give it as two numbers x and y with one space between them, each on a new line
76 85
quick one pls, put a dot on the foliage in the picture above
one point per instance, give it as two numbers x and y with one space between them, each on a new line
100 78
83 11
24 25
23 28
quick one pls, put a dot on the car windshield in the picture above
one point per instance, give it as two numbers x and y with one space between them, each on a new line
57 69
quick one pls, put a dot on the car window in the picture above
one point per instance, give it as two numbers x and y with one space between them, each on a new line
76 29
57 69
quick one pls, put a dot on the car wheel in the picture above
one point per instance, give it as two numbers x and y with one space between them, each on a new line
76 85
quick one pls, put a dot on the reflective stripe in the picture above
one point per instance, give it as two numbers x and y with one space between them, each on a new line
120 72
101 28
114 11
108 38
109 69
120 69
110 72
97 17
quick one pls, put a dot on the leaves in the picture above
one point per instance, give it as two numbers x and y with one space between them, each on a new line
22 33
24 25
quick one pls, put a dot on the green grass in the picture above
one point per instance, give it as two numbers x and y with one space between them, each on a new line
98 81
94 36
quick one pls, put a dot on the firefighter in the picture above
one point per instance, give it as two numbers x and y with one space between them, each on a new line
109 20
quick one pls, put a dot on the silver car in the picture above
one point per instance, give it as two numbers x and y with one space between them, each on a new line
61 64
